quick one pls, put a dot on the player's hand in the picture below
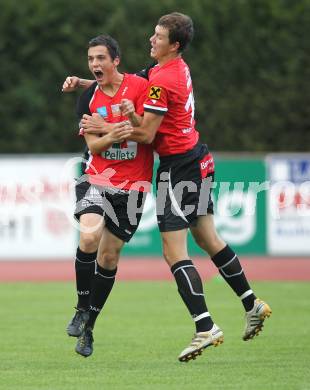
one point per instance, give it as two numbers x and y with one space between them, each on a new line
71 84
94 124
121 131
127 107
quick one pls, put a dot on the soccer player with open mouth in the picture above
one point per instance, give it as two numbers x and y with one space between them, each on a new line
111 193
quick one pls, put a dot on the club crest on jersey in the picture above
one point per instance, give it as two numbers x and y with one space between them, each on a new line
116 111
154 92
102 111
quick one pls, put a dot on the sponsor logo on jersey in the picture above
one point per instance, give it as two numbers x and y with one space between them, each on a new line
102 111
154 92
116 111
118 154
206 165
127 150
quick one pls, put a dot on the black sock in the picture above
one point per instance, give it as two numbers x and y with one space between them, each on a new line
84 271
103 281
191 291
230 268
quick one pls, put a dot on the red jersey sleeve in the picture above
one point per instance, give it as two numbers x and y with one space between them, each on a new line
156 99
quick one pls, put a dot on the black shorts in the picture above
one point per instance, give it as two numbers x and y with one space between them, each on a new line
183 185
121 209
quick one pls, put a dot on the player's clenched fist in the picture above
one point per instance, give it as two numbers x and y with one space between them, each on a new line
71 84
127 107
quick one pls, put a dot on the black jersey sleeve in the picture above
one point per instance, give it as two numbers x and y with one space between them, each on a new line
82 106
145 72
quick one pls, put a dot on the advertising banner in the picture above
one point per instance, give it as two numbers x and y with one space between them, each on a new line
288 223
36 202
254 214
240 203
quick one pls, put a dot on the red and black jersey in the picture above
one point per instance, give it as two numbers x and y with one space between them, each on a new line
170 93
123 164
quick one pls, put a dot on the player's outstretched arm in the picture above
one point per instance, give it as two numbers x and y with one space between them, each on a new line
72 83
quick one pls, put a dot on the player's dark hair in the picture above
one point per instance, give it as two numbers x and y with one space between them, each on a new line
180 27
109 42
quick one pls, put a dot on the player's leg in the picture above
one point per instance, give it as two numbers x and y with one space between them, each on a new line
90 234
222 255
89 214
176 193
229 266
86 253
187 277
224 258
115 234
102 283
190 288
106 267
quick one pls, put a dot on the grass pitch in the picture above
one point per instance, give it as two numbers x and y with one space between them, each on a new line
140 333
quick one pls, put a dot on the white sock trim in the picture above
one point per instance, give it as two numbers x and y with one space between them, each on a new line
231 276
225 265
246 294
183 266
84 262
190 284
228 262
103 276
201 316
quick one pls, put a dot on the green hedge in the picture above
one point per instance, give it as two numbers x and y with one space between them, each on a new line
250 63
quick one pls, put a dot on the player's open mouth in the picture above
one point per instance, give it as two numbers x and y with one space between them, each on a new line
98 74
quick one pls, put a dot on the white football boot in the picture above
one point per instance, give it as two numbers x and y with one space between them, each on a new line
255 319
201 341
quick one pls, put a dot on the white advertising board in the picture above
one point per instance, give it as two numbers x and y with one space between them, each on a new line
288 205
36 204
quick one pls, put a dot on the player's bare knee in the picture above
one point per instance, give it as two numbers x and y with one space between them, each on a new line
201 243
109 259
173 255
89 242
166 251
166 255
212 247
